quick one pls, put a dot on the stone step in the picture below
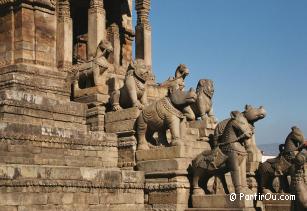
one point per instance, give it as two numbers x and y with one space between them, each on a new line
62 130
93 150
19 106
34 187
25 173
39 80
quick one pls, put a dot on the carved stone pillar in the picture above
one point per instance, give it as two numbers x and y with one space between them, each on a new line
114 38
96 26
64 34
143 31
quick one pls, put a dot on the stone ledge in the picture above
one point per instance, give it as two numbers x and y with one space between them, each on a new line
37 79
122 121
32 69
42 103
164 165
36 175
164 153
166 186
124 114
104 141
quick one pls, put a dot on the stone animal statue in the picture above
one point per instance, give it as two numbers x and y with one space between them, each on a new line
90 73
298 186
229 153
162 115
203 106
133 93
253 151
282 165
181 72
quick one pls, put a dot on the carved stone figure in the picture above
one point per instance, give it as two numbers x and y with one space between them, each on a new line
203 106
181 72
91 73
164 114
229 153
103 51
282 165
298 185
133 93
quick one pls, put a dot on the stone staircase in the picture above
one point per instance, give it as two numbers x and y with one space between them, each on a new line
49 159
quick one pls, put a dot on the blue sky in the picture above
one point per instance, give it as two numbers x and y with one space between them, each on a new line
254 50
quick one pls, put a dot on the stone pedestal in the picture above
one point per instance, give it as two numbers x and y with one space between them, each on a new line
205 127
166 177
122 123
220 203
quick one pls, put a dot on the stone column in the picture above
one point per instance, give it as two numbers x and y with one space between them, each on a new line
96 26
114 38
143 32
64 34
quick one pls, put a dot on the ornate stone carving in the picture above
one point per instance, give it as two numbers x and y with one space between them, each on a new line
178 80
229 153
298 185
133 93
64 10
142 8
95 67
96 6
162 115
282 165
69 183
203 106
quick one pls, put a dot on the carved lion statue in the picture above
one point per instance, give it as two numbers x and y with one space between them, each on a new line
133 92
162 115
203 106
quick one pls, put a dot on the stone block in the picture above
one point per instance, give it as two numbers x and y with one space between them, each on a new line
119 197
14 198
165 165
120 126
175 196
8 208
121 121
124 114
132 176
164 153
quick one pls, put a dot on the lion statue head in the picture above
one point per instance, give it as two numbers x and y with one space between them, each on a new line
205 86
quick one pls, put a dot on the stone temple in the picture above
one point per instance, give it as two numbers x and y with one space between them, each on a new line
85 126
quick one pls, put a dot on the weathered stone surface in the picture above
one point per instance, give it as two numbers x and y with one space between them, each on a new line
164 153
165 165
220 201
121 115
120 126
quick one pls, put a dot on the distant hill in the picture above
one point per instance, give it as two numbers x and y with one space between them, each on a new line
269 149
